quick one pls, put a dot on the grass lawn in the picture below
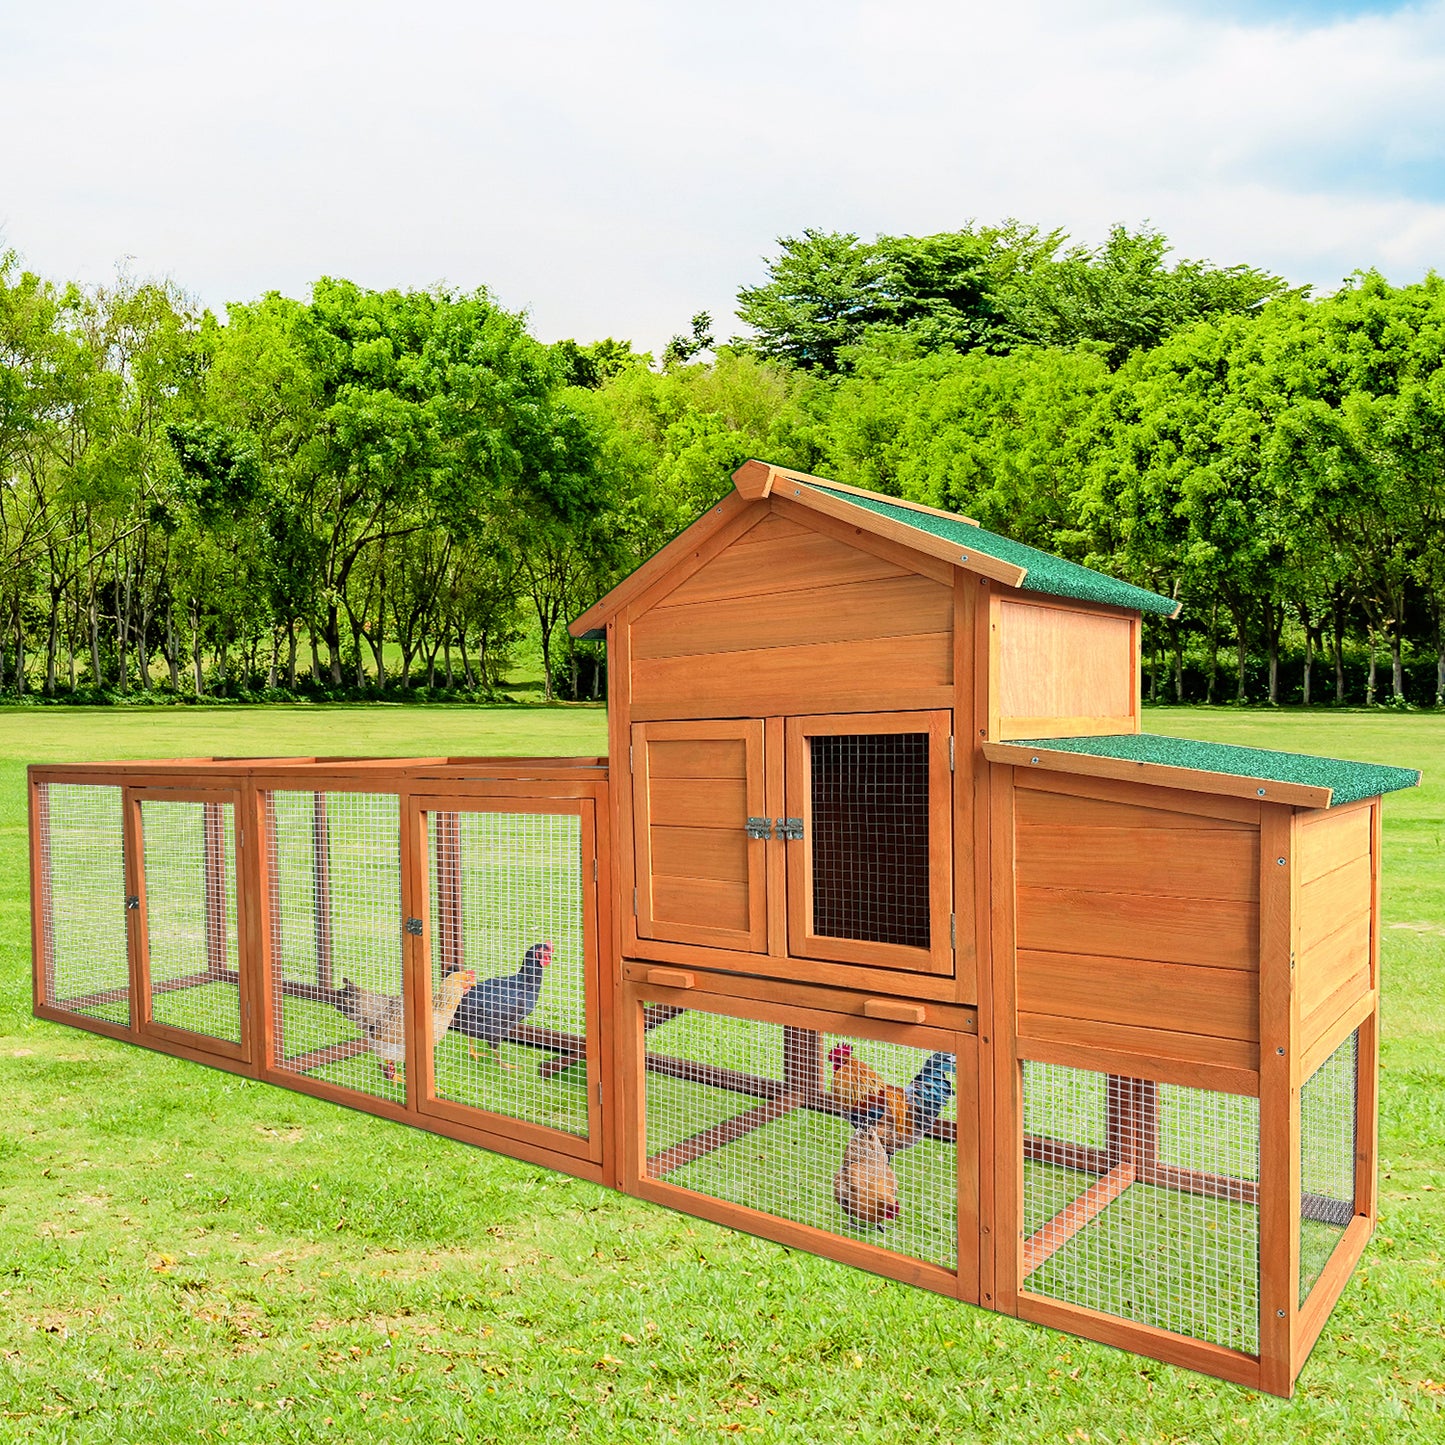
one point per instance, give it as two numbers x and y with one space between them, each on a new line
186 1255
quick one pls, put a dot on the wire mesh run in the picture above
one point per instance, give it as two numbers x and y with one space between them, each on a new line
82 900
1328 1123
849 1135
1141 1200
190 910
870 837
336 938
509 1008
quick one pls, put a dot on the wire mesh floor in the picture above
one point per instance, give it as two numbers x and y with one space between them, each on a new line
1141 1200
848 1135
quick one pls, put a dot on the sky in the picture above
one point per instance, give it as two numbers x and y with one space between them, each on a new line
613 167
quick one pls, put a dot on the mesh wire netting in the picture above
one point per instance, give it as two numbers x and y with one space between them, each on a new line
849 1135
1141 1200
190 904
1327 1159
506 902
82 851
335 864
870 837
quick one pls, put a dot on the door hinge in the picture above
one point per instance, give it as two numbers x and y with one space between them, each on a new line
953 930
950 753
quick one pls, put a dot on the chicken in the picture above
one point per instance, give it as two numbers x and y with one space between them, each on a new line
381 1017
496 1006
931 1089
867 1097
866 1186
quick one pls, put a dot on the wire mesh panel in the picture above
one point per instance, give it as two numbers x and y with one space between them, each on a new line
1141 1200
82 900
190 909
848 1135
509 1017
869 796
1327 1104
336 938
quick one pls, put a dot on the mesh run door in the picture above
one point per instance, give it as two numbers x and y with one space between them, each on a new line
79 886
699 807
510 1015
869 840
187 924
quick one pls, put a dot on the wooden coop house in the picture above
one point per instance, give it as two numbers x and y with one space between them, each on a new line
882 930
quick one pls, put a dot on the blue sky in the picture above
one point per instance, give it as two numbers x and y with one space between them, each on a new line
613 167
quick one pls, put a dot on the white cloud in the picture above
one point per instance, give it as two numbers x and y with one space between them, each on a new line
616 167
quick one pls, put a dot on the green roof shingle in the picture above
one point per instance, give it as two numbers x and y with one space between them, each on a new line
1349 781
1053 576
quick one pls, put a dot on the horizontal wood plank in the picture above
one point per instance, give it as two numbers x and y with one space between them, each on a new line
697 758
1216 933
1321 969
799 561
1236 1054
898 672
720 853
1176 997
724 905
1334 900
1183 862
1329 840
852 612
1349 989
706 803
1132 793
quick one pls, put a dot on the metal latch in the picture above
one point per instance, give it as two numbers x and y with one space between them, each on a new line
132 902
413 925
760 828
790 828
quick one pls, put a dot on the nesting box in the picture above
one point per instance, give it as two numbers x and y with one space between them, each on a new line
883 930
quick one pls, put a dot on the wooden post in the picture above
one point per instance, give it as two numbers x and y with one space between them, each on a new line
321 888
1367 1051
258 927
42 915
1279 1116
138 945
1007 1143
214 866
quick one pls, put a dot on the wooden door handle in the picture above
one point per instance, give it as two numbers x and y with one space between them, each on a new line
894 1009
669 978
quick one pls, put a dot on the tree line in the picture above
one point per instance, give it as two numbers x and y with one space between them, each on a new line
381 493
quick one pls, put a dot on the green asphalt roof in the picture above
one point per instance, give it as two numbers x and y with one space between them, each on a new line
1046 573
1348 781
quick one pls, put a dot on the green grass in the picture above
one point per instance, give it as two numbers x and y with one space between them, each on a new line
186 1255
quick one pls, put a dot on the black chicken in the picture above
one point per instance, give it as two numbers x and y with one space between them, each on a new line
496 1006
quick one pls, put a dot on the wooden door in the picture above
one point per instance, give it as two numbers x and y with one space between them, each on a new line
870 848
701 877
181 848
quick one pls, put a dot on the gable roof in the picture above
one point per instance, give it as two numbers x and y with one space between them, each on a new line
1301 779
945 535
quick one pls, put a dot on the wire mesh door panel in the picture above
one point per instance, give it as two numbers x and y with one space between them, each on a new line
868 835
1328 1103
188 920
339 1013
510 1018
1141 1200
852 1137
80 901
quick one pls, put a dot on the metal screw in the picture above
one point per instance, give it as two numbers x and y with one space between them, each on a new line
1280 861
1279 1314
963 556
1260 791
1280 1051
1033 760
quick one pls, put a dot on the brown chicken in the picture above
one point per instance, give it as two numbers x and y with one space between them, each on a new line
866 1186
867 1097
381 1017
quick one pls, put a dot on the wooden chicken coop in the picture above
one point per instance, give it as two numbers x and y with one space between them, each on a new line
883 931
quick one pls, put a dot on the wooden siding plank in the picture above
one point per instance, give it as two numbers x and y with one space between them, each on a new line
697 758
798 561
1234 1054
1330 840
1178 997
1135 793
1185 862
1217 933
1333 901
701 853
851 612
699 803
1324 967
899 672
